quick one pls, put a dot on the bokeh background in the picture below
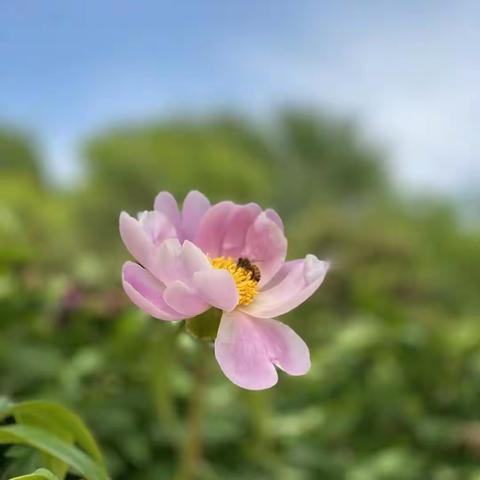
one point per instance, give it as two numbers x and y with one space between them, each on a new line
357 121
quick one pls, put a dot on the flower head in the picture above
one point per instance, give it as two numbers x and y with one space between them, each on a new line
230 257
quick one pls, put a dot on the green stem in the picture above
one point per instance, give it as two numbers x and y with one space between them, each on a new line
162 358
190 455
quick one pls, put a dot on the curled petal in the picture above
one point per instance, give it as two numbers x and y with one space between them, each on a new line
266 246
217 287
275 217
193 259
157 226
146 292
171 261
213 227
242 354
165 203
188 271
292 285
184 299
232 230
166 262
238 223
138 243
194 208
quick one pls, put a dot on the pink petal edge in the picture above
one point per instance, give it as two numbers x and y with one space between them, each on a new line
217 287
241 353
195 206
146 292
294 283
248 349
135 238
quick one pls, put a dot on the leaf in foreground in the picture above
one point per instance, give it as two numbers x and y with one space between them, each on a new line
47 443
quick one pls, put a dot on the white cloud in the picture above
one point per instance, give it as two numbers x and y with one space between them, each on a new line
415 87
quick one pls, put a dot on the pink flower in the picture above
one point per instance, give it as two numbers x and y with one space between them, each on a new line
227 256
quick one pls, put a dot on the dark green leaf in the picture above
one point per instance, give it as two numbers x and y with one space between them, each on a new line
40 474
50 444
58 420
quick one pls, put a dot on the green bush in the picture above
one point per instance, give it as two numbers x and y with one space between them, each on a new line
393 393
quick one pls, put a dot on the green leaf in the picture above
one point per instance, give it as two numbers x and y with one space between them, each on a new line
58 420
52 445
5 407
205 326
40 474
58 467
63 423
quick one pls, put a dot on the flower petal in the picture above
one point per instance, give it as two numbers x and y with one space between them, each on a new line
275 217
135 238
185 300
166 262
285 348
212 228
266 246
292 285
146 292
157 226
171 261
217 287
194 208
165 202
239 221
241 353
232 230
194 259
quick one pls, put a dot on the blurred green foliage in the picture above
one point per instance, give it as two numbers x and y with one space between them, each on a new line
394 332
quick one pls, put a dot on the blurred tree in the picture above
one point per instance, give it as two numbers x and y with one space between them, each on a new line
31 213
324 159
18 154
394 333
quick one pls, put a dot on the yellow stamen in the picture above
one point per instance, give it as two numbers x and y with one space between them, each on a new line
246 285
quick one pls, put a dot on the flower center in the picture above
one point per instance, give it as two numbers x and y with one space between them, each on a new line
245 274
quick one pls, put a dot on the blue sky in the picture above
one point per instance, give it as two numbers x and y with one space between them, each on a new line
408 71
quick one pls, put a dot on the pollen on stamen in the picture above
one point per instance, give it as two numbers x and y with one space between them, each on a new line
243 277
